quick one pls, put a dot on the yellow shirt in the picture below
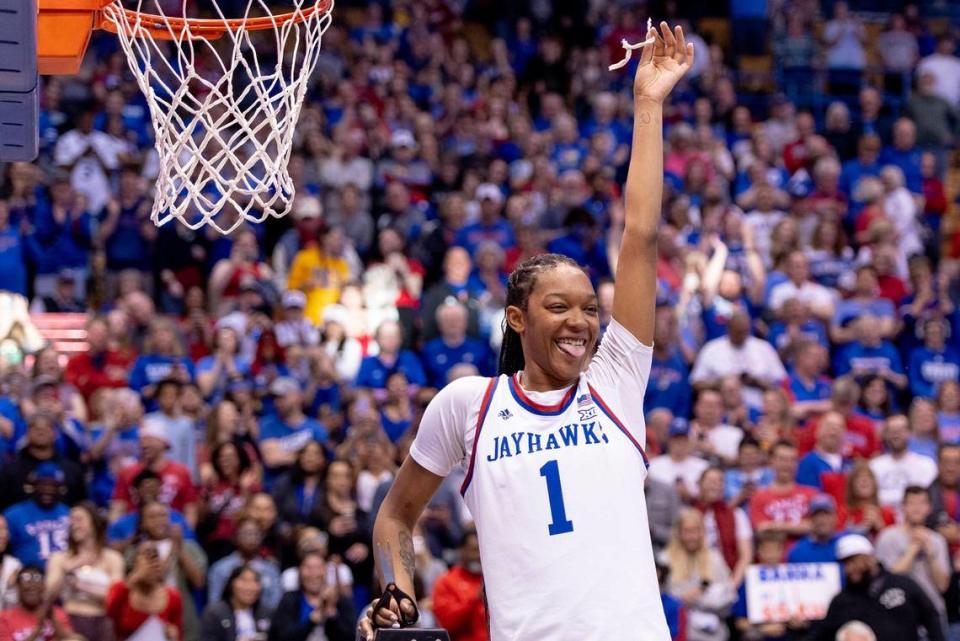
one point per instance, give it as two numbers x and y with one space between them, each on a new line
320 277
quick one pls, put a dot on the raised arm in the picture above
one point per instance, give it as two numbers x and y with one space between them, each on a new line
661 66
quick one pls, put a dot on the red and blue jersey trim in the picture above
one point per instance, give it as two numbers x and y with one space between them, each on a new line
533 407
616 421
484 408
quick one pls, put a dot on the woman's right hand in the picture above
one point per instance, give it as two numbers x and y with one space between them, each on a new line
385 617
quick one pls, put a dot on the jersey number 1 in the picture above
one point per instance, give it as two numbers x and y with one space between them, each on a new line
560 525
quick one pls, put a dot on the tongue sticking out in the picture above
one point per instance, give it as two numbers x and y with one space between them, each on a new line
575 351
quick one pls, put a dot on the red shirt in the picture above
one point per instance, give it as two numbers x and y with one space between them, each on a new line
855 516
88 372
859 439
892 288
458 605
17 624
177 489
787 507
126 620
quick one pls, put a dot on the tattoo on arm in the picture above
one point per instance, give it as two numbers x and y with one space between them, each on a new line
406 553
644 118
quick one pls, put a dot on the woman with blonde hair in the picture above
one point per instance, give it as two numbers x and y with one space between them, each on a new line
699 577
163 357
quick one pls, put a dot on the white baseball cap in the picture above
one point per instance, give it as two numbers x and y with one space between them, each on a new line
491 191
853 545
153 428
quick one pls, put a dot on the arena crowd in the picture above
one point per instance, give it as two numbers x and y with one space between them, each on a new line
214 460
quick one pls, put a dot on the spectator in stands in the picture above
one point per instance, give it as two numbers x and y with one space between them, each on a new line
713 439
770 547
679 467
454 346
809 388
799 286
184 562
749 474
299 493
248 539
926 433
457 283
905 154
944 66
846 57
9 566
315 603
145 594
320 270
374 369
739 353
39 448
936 119
84 572
865 164
934 363
177 489
864 300
39 524
869 354
13 257
35 617
237 613
893 606
864 514
234 480
899 52
728 529
948 411
824 468
162 358
914 550
875 116
285 434
668 385
945 495
819 545
458 596
226 365
179 428
400 212
699 577
783 506
900 468
100 365
347 525
663 504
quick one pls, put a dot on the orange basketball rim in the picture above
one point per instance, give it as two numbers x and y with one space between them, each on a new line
64 28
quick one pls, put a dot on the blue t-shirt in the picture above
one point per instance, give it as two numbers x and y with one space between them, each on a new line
125 445
668 386
909 163
949 427
871 359
374 373
819 391
439 358
150 369
126 526
566 156
55 245
811 469
394 429
736 479
470 236
810 331
807 550
292 438
594 257
35 532
849 310
673 609
853 171
13 263
10 411
928 369
716 316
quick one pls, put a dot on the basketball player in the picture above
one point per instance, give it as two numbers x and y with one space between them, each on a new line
554 445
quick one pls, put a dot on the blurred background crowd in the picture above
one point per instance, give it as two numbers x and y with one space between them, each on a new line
200 428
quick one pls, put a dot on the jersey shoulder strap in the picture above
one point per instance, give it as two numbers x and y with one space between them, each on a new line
481 416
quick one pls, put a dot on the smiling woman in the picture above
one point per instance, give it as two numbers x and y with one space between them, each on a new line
564 441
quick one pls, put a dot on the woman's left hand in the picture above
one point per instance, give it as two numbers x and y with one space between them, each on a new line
662 64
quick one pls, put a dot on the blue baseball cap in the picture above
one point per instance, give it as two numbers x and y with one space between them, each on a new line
47 471
822 503
679 427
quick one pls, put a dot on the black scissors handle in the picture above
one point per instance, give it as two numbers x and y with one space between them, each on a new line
393 593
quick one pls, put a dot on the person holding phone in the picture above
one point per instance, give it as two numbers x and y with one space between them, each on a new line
145 594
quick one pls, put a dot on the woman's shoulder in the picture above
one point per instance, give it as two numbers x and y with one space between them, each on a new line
462 392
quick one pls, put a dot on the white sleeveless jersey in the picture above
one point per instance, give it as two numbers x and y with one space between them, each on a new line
555 485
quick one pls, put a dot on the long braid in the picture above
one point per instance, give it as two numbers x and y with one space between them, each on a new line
519 286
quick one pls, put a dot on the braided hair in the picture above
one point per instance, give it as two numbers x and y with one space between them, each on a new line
519 286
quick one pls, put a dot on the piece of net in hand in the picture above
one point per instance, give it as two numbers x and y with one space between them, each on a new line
225 94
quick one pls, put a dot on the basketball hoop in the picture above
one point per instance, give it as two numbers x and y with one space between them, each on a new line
223 134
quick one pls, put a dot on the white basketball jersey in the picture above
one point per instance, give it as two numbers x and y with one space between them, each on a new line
557 494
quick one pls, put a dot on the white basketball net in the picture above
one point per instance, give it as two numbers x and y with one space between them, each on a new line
223 134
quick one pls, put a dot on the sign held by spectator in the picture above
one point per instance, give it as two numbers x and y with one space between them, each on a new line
779 593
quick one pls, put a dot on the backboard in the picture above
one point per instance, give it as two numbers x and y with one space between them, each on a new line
19 89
